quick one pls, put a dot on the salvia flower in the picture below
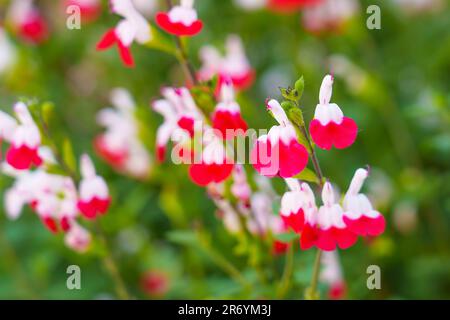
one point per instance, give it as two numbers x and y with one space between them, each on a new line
234 65
295 202
331 275
279 152
119 145
94 196
28 22
329 126
25 140
78 238
291 5
214 166
52 197
181 20
133 27
330 15
180 114
227 115
89 9
359 215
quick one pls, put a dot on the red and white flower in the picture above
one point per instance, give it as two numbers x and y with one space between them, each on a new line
119 145
359 215
213 165
329 230
180 114
181 20
52 197
295 203
133 27
25 140
27 21
329 126
227 116
279 152
330 15
240 188
89 9
233 66
94 196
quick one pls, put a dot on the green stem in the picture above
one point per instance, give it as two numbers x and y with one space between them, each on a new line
287 273
223 263
111 265
311 292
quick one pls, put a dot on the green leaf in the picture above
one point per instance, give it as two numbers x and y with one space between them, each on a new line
68 155
286 237
300 86
307 175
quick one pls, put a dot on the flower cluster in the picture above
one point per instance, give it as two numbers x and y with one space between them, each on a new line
331 225
53 197
120 145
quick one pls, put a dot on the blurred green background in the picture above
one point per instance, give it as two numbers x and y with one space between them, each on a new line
394 82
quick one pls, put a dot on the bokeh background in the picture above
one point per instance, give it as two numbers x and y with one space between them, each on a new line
394 82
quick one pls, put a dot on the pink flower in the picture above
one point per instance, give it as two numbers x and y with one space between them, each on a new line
28 21
279 152
120 145
133 27
330 15
291 5
213 166
227 116
89 9
332 231
25 141
233 66
155 283
240 187
181 20
78 238
94 195
329 126
359 215
331 275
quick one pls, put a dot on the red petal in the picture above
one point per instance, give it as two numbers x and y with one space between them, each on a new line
50 223
224 120
293 158
108 39
340 135
177 28
296 221
125 54
23 158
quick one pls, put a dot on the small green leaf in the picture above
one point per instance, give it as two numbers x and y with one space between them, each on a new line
289 93
286 237
47 112
68 155
307 175
300 86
